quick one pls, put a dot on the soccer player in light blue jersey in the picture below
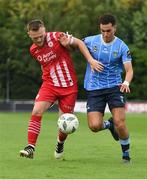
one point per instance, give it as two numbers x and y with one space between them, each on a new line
104 83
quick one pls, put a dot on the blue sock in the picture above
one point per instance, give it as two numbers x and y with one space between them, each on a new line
106 125
125 145
126 154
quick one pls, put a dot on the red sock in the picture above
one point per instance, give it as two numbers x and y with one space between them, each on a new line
61 136
34 129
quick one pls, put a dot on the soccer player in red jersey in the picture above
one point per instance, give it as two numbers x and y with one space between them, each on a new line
51 50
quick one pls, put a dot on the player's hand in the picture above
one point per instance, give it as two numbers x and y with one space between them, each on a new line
65 39
125 87
96 65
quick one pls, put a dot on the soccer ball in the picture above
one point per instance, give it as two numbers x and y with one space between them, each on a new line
68 123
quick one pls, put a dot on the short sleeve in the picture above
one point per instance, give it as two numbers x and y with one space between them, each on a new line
126 55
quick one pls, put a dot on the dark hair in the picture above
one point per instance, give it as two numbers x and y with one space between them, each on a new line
106 19
34 25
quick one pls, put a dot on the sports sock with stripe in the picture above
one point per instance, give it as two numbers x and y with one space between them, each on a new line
34 129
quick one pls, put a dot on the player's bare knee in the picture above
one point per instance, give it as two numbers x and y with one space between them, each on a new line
95 127
37 112
120 126
94 130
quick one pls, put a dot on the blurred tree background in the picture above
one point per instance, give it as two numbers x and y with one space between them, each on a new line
20 74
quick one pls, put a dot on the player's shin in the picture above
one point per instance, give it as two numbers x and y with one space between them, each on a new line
59 149
34 129
33 132
61 136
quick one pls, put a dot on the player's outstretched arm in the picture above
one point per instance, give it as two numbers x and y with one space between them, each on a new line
68 41
95 64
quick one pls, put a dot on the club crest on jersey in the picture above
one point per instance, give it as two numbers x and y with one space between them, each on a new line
115 54
50 44
95 48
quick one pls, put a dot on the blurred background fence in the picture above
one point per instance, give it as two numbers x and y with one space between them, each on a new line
27 105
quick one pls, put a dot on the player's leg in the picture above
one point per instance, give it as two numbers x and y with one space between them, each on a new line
95 121
109 124
66 105
34 128
119 120
116 104
96 103
95 110
61 137
43 101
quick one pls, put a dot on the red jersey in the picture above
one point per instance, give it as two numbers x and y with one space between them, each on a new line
57 66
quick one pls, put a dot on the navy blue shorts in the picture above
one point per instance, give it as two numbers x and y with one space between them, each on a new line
97 99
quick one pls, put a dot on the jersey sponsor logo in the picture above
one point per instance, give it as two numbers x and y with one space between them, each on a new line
46 57
105 50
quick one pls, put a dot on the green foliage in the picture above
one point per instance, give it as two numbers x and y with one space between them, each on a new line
139 31
139 84
78 17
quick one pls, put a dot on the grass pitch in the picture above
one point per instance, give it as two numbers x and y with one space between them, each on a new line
87 155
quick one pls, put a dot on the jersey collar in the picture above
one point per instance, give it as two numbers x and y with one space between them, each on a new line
106 44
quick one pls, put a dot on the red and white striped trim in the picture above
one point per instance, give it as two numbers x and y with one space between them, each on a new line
54 77
68 73
61 76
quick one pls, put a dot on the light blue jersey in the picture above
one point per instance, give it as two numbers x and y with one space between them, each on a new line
112 55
